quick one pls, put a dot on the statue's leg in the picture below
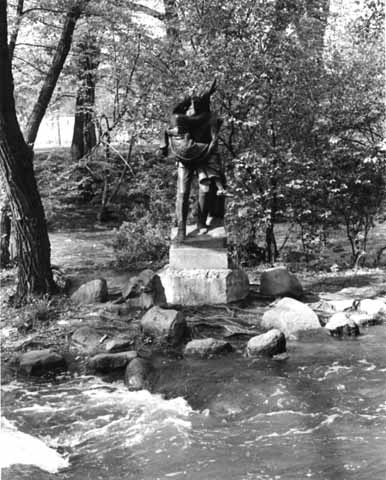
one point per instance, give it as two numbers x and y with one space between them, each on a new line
218 210
217 203
184 181
204 201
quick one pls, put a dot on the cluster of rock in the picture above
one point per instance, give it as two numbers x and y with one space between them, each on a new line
283 321
348 316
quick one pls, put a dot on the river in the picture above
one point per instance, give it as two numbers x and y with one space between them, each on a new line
320 414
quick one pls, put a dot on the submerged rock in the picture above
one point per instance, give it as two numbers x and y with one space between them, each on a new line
91 292
269 343
207 347
164 325
138 374
278 282
341 325
290 317
106 362
39 362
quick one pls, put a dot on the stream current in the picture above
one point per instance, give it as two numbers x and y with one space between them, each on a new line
320 414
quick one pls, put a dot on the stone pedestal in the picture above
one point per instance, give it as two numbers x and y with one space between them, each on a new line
199 251
199 272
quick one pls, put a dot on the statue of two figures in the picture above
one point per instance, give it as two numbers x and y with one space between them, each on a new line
191 140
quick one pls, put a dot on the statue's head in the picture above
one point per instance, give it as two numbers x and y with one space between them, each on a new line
201 102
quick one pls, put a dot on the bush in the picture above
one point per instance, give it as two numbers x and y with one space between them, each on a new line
141 241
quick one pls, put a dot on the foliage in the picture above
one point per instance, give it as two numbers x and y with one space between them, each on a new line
300 91
141 241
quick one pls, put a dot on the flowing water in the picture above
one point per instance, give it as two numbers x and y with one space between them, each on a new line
320 414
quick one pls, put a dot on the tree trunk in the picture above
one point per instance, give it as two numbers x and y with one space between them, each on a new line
5 232
51 79
16 168
171 20
84 137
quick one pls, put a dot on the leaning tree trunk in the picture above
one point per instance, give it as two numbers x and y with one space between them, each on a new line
84 136
16 169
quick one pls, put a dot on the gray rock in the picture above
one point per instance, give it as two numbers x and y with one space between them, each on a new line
278 282
91 292
87 340
107 362
119 309
39 362
164 325
269 343
144 301
341 305
362 312
144 291
364 320
373 307
118 343
207 347
281 357
341 325
138 374
290 317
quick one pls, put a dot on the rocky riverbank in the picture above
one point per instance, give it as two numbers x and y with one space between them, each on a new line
121 333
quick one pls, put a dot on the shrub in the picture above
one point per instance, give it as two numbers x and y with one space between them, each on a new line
141 241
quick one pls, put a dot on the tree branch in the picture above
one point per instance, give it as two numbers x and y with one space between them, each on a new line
42 72
136 7
42 9
35 45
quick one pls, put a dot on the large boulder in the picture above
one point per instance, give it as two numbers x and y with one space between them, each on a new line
207 347
164 325
340 325
87 340
39 362
270 343
94 291
279 282
138 374
144 291
107 362
290 317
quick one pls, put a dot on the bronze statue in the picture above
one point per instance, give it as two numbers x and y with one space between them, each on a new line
192 141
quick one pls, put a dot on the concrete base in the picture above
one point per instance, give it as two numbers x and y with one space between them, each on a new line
193 258
205 251
203 286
